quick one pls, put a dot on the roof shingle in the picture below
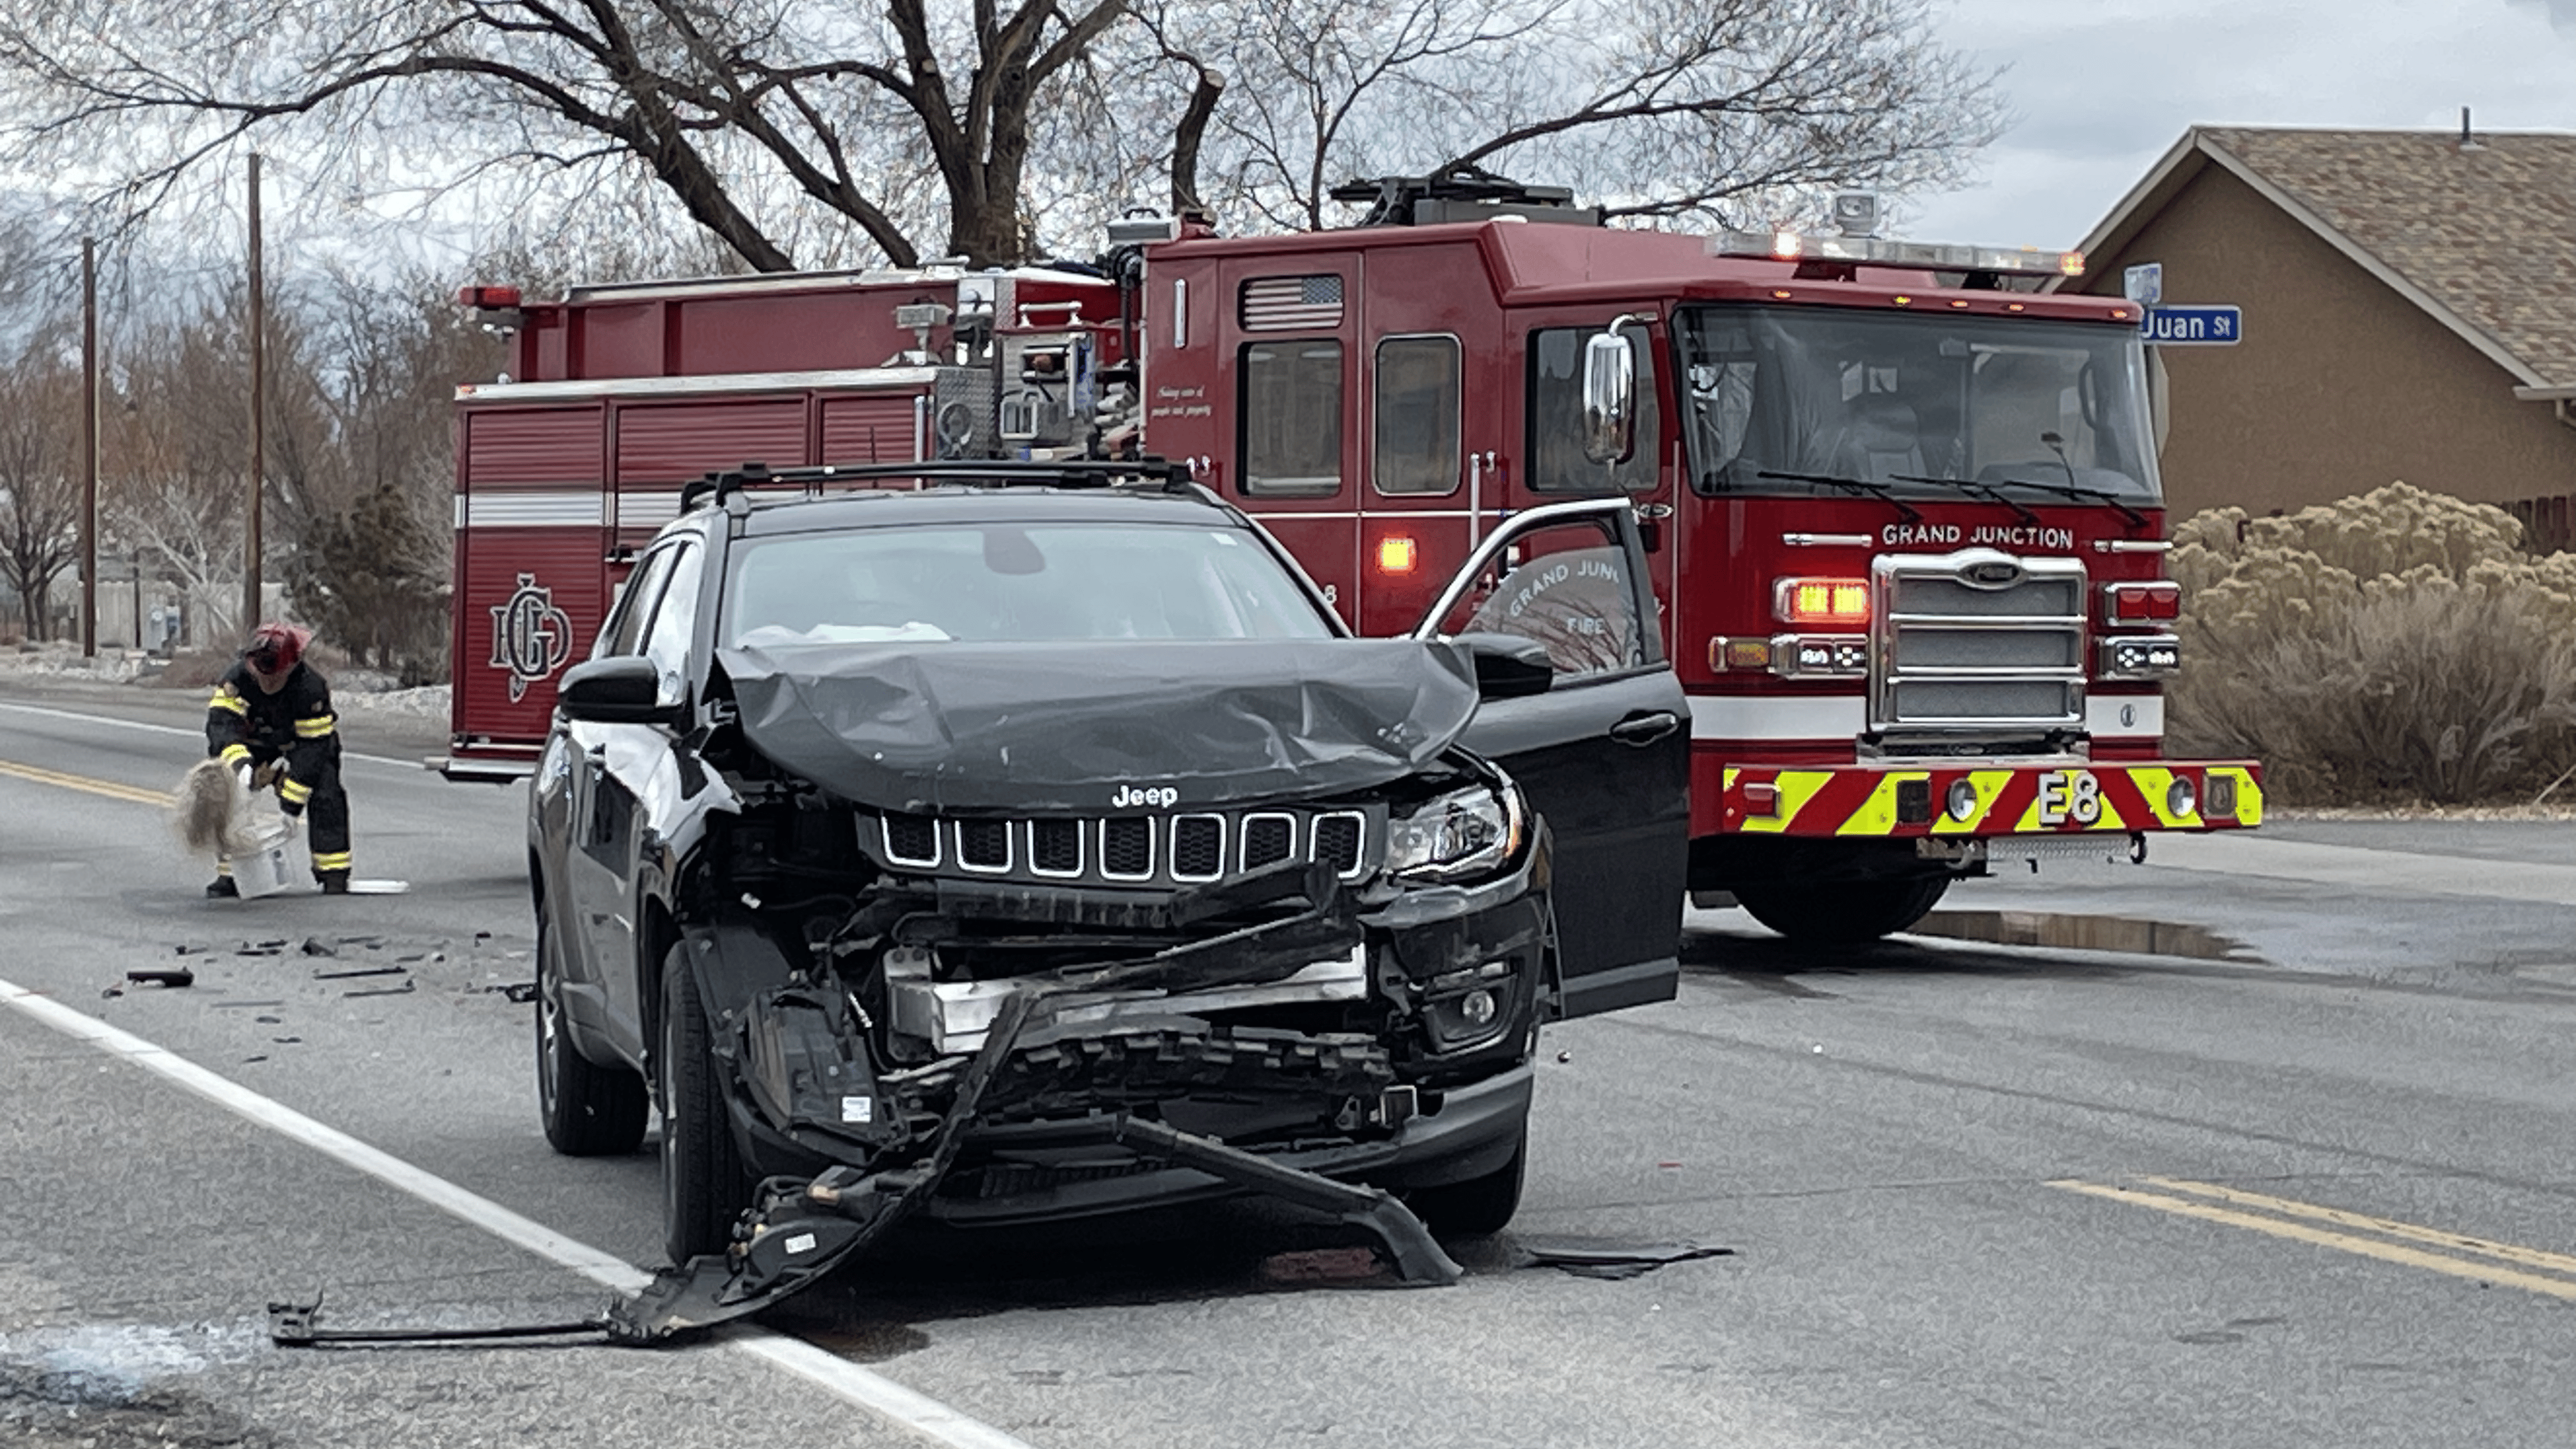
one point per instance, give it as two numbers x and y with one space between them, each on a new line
2487 230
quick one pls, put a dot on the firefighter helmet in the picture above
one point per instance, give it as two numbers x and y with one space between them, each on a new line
276 648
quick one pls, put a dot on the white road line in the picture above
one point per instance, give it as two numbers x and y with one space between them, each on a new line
901 1406
198 735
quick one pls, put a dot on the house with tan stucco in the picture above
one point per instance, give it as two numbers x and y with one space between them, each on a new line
2409 313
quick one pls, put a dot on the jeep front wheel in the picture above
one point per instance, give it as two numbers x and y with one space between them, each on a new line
703 1186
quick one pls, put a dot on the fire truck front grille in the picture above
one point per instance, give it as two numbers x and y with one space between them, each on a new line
1978 640
1128 850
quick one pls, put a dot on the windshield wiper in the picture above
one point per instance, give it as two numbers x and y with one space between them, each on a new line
1975 489
1861 486
2081 495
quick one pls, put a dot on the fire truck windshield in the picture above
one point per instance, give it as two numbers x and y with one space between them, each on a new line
1913 403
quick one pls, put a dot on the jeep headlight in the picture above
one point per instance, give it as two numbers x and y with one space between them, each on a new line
1463 833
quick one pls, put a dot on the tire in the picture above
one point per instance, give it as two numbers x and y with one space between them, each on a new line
703 1186
1479 1207
1850 914
589 1110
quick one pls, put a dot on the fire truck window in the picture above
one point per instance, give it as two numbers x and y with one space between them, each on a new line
1292 417
1916 402
675 622
1556 460
643 588
1566 586
1414 444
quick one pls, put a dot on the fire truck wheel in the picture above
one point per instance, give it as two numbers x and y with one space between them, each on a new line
703 1183
589 1110
1478 1207
1842 915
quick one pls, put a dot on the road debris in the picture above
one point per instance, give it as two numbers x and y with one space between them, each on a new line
360 971
1605 1257
402 990
173 977
316 946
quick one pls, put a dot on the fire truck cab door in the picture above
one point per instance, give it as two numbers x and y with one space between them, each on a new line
1603 753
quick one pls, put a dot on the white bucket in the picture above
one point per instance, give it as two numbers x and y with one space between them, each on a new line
261 871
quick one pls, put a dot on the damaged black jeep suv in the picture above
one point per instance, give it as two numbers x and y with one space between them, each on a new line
1002 842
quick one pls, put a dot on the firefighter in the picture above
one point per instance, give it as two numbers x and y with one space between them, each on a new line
271 718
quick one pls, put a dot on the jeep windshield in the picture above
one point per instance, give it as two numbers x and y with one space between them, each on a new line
1776 399
1005 582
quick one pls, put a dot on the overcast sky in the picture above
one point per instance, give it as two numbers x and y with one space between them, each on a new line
2101 88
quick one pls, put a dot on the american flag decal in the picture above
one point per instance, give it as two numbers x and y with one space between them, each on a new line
1281 304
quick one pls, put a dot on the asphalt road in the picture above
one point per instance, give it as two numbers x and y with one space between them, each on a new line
2315 1194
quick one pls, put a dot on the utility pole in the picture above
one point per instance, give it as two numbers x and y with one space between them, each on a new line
89 448
258 416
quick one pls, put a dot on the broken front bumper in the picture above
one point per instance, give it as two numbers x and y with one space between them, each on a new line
1231 1037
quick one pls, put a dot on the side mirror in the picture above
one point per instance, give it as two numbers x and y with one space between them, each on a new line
626 689
1508 666
1609 398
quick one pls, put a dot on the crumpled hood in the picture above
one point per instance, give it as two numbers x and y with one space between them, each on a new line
929 728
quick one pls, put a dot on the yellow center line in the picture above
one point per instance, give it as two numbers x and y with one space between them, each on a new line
2344 1242
109 788
2503 1252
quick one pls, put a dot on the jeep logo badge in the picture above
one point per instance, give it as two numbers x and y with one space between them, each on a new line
1131 796
531 638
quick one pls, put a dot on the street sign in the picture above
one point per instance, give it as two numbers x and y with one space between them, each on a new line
2144 284
2192 326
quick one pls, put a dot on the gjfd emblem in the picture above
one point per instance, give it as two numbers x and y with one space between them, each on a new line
531 638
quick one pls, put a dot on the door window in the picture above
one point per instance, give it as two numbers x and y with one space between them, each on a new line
1414 442
625 630
1556 460
1292 417
1566 585
675 623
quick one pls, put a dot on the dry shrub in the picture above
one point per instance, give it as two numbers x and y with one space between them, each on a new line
2394 645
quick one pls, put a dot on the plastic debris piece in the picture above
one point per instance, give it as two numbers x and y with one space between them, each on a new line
402 990
1604 1258
359 971
173 976
521 992
1325 1265
316 946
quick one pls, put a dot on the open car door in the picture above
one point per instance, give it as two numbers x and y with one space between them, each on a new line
1602 750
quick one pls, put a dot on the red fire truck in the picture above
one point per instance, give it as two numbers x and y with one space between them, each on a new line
1904 503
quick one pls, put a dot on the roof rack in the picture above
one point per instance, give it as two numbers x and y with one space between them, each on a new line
1459 193
1168 475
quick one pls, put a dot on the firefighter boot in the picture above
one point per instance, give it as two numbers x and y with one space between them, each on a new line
334 882
221 888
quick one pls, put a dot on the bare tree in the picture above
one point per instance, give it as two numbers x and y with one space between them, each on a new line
792 132
40 495
171 450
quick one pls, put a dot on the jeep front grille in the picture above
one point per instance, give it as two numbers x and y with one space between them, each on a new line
1977 640
1128 850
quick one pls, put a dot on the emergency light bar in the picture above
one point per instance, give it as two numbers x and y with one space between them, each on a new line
1870 251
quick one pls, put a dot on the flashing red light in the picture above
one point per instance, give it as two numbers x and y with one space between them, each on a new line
1395 554
487 298
1842 603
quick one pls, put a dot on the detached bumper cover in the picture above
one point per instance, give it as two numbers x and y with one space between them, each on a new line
1887 801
